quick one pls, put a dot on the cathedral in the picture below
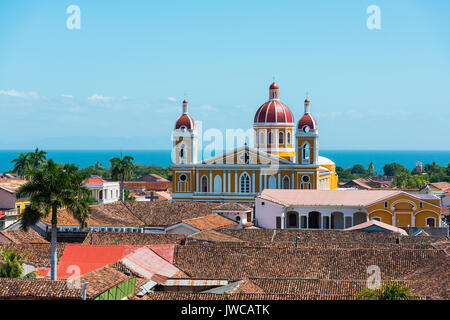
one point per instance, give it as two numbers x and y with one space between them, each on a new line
285 155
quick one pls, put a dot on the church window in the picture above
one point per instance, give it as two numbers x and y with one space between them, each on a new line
183 177
420 205
204 184
305 151
245 183
306 184
286 182
269 138
238 219
280 137
288 136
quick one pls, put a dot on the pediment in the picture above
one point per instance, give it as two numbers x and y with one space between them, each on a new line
246 156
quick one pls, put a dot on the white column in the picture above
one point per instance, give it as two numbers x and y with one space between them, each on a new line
224 182
292 181
235 182
283 222
210 182
229 181
196 179
253 181
279 180
260 181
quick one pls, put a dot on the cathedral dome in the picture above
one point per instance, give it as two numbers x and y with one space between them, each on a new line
273 111
307 120
185 121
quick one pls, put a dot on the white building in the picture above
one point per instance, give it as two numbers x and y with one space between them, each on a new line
103 191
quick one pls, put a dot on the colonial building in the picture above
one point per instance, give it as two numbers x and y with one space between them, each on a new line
285 156
341 209
103 191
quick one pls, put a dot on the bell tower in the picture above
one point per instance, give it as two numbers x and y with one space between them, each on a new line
307 138
184 138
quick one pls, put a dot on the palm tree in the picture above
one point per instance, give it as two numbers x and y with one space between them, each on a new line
37 157
50 188
21 164
122 168
387 291
11 265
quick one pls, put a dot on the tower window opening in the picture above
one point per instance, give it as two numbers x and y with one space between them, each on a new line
288 136
305 151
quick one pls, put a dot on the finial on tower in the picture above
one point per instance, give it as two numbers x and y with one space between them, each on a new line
307 103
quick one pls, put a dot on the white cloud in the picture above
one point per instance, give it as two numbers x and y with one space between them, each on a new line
67 96
172 99
99 97
15 93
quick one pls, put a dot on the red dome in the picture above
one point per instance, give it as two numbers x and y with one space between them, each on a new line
185 101
307 101
307 120
274 111
274 86
186 121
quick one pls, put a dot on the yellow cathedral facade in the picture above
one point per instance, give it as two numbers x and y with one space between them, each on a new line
285 155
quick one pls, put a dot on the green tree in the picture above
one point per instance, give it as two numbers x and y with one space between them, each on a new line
122 168
37 157
50 188
21 164
392 169
11 265
358 169
401 180
387 291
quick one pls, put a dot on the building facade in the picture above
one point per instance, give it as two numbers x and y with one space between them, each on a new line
285 155
341 209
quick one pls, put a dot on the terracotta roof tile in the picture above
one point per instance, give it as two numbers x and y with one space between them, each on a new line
20 236
128 238
212 221
37 289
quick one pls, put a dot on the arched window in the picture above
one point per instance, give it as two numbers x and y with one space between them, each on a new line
204 184
281 137
244 183
100 194
288 136
217 184
183 185
286 182
182 152
430 222
269 138
306 184
261 138
305 151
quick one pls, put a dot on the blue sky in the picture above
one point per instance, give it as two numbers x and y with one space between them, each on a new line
118 82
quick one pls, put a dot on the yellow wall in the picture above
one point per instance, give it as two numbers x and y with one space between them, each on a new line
405 207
